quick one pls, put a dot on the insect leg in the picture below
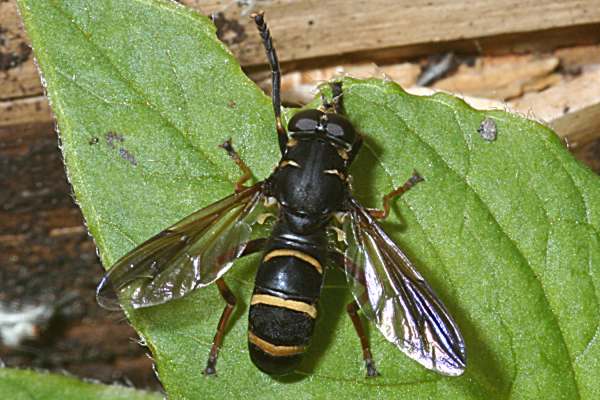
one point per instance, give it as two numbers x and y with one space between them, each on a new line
275 76
352 308
337 100
229 297
325 104
247 173
355 149
382 214
252 246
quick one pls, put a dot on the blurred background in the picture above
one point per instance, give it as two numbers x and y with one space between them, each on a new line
538 58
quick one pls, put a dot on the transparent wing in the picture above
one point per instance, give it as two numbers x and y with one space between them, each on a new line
393 295
191 254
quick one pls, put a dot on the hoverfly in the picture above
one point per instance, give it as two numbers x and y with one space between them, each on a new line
309 186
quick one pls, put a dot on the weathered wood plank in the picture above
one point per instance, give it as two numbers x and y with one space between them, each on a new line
502 78
571 108
309 29
47 258
18 74
332 31
589 154
24 111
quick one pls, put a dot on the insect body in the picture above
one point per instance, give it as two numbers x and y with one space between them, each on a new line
309 185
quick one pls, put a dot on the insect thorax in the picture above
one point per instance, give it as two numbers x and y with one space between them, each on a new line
310 184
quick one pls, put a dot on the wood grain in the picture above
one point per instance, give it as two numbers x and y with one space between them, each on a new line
571 108
501 78
327 32
309 29
24 111
47 258
18 74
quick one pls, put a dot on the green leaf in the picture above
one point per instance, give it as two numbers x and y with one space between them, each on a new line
505 231
18 384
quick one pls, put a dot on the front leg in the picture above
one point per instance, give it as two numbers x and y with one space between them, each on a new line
382 214
246 172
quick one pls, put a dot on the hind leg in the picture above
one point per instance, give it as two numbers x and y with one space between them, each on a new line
229 297
339 260
211 365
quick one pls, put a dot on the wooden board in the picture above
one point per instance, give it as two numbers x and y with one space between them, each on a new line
47 258
18 74
310 29
24 111
571 108
329 31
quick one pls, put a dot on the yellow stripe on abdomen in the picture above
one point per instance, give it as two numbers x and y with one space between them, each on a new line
294 305
274 350
297 254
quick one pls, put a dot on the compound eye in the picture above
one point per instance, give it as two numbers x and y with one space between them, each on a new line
335 130
306 120
341 129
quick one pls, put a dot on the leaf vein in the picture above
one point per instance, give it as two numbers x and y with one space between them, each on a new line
525 261
146 101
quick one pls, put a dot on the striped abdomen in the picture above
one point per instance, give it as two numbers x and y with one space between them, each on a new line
283 307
